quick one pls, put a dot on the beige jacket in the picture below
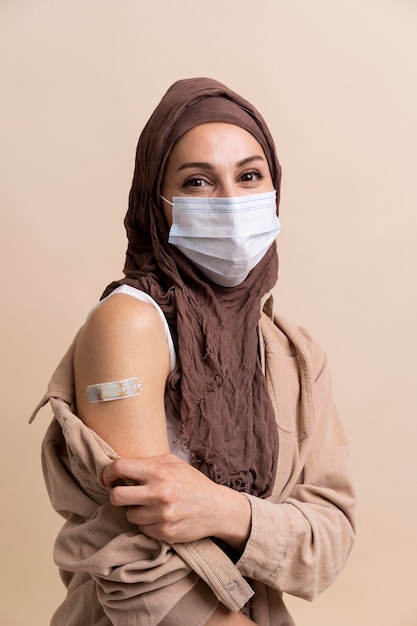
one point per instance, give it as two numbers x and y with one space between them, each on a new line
300 536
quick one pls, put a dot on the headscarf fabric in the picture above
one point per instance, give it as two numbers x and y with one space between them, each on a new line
217 391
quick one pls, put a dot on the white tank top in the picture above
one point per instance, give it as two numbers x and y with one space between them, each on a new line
144 297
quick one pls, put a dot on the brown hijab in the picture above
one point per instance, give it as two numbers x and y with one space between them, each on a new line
217 391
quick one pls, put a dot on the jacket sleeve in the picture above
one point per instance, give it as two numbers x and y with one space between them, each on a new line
138 581
302 535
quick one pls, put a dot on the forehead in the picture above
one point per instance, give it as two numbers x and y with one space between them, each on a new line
215 139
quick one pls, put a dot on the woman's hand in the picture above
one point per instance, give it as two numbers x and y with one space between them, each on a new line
174 502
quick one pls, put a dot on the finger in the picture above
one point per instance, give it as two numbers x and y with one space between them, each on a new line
137 495
137 470
126 469
142 516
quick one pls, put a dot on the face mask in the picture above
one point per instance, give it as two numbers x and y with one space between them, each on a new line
224 237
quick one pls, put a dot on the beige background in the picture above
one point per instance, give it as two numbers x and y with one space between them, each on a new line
337 82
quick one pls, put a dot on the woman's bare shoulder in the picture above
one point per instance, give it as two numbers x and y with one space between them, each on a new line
117 333
122 313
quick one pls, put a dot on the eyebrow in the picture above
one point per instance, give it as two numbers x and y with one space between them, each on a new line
209 166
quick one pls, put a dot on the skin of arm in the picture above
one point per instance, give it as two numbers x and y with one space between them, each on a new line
123 338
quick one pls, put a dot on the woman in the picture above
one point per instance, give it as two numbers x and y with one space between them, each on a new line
195 449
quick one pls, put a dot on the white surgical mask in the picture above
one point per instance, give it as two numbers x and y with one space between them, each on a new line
224 237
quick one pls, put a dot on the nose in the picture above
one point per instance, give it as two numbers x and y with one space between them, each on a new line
228 189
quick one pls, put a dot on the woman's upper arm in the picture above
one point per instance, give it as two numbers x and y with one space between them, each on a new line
124 338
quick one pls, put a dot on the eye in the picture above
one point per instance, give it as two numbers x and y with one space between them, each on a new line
194 182
251 176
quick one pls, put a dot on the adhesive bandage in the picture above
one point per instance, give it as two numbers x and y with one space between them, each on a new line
114 390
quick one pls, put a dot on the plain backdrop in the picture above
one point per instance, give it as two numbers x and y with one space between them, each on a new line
337 83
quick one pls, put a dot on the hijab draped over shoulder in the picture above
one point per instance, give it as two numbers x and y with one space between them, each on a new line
217 391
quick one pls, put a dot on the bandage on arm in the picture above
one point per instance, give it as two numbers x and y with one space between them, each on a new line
114 390
122 355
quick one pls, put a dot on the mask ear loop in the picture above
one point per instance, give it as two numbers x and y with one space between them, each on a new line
166 200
